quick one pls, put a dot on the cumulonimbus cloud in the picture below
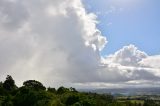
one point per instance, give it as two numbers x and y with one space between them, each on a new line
54 41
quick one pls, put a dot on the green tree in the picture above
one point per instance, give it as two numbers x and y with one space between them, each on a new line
30 97
71 99
52 90
7 101
9 83
34 85
72 89
62 90
2 90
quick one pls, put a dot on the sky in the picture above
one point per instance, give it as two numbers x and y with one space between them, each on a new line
128 21
83 44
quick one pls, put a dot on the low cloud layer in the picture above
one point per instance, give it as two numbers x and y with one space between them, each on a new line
57 42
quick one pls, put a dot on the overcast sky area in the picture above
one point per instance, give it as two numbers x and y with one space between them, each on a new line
83 44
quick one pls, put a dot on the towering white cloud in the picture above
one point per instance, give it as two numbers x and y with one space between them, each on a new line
49 41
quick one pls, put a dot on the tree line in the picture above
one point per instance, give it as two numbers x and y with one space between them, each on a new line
34 93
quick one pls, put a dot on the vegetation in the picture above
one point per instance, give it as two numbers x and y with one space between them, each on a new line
33 93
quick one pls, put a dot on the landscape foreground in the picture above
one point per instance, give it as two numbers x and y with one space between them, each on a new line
33 93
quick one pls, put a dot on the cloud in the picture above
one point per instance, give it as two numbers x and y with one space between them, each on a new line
127 56
130 66
151 61
11 16
51 41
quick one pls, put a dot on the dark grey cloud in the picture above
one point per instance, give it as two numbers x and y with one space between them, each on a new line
13 14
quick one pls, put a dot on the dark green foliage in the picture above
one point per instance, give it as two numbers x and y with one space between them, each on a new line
29 97
71 99
151 103
52 90
2 90
7 101
73 89
9 83
62 90
33 93
34 84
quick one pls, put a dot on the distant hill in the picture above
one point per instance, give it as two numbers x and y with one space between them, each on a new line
129 91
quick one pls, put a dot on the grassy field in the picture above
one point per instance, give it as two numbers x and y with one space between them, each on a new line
131 99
